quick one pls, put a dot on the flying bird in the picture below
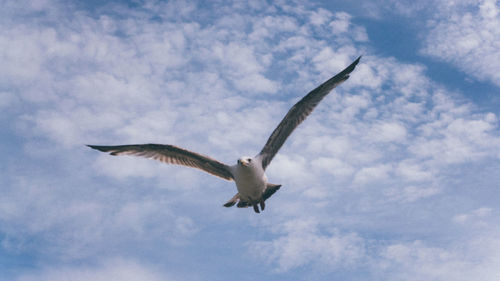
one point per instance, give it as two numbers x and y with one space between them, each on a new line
248 173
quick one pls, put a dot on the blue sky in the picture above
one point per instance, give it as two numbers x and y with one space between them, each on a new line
393 177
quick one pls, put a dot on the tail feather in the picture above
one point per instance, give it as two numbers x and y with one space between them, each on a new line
270 190
236 200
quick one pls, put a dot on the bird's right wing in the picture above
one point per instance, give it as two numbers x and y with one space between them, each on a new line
299 113
172 155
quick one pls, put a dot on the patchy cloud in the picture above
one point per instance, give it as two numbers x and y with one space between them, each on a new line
303 244
372 181
109 270
466 36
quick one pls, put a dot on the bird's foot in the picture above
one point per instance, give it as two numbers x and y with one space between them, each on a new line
256 208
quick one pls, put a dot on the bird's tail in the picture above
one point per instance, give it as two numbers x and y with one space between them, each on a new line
271 188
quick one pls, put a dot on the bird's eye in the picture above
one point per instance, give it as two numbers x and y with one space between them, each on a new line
249 160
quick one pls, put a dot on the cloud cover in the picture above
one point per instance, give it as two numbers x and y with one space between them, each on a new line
377 182
466 34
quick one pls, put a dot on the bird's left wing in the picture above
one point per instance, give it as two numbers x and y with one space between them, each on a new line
172 155
299 113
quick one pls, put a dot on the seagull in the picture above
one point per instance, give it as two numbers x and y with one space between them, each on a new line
248 173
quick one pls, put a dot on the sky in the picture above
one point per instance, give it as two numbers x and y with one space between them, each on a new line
394 176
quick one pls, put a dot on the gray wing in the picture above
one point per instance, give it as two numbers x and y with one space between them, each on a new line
172 155
299 112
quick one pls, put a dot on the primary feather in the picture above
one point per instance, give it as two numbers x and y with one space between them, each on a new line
171 154
299 113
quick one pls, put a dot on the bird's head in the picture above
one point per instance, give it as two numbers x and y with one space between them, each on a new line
245 161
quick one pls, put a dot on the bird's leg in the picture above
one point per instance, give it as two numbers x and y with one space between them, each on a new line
262 204
256 208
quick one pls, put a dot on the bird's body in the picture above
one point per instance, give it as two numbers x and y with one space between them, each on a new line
250 178
249 173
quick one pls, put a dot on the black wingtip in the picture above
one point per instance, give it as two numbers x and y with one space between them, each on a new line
98 147
344 74
358 59
352 66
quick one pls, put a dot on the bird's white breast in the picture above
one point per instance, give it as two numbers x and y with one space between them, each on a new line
250 181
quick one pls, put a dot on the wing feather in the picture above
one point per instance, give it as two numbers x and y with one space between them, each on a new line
299 113
172 155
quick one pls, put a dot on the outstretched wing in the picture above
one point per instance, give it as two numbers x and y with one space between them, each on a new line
299 112
172 155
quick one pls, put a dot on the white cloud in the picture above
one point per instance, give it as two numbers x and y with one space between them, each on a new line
389 132
304 244
341 23
461 32
115 77
473 216
396 146
243 67
269 26
328 59
411 193
334 166
218 80
413 171
466 35
452 139
117 269
372 175
475 260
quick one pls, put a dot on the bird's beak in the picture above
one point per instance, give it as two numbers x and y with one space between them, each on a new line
244 163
